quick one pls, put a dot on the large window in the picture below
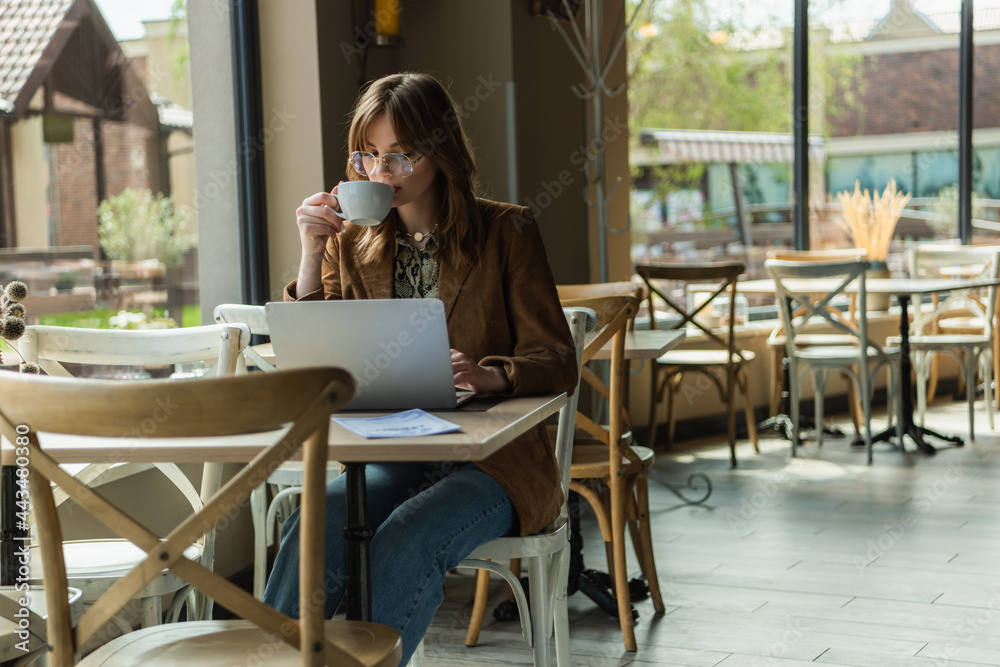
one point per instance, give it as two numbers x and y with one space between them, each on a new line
883 84
98 213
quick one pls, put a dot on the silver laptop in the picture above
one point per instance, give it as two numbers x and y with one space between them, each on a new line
396 349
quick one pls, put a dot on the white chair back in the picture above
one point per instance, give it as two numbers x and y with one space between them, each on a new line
253 317
220 345
972 262
50 347
580 321
816 302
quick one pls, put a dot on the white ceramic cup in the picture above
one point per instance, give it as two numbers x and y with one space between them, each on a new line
364 202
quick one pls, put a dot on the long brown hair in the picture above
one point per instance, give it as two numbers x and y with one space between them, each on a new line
425 120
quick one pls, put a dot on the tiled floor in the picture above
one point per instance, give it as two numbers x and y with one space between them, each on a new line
818 559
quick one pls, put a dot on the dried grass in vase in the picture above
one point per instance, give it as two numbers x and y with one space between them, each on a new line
871 221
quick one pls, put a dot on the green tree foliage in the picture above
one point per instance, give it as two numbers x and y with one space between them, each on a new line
182 57
699 64
945 212
135 226
705 69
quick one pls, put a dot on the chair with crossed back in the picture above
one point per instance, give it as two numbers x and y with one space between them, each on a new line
722 352
798 303
283 413
96 565
776 341
286 480
567 294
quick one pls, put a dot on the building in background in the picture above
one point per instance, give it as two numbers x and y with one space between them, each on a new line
906 123
903 126
81 119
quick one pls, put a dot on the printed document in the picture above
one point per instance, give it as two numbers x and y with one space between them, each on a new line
400 425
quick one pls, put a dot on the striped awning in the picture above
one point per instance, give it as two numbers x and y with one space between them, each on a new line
660 147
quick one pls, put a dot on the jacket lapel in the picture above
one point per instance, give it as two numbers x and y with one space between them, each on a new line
451 280
377 277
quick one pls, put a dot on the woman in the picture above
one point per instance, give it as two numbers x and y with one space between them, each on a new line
486 262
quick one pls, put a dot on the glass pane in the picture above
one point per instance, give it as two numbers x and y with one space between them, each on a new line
870 171
710 99
103 191
902 125
985 152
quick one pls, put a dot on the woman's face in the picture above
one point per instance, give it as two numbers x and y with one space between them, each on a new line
415 188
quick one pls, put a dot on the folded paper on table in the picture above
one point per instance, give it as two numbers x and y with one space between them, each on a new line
400 425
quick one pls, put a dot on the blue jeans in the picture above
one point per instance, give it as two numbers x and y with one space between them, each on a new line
427 518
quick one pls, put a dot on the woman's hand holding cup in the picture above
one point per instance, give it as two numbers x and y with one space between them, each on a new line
318 219
323 215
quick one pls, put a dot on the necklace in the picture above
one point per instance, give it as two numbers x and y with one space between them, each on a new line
420 236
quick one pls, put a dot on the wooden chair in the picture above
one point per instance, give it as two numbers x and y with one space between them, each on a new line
286 480
605 469
37 409
723 353
547 553
95 565
861 360
970 338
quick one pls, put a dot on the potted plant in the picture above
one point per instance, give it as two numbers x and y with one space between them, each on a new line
137 226
65 282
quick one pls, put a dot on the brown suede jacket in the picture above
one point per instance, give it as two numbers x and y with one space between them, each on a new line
502 308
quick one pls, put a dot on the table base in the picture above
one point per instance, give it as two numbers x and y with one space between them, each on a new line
916 433
782 423
910 428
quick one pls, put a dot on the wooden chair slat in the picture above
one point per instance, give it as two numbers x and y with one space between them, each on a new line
148 346
173 409
59 628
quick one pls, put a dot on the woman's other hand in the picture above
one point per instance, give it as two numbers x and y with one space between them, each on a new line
481 379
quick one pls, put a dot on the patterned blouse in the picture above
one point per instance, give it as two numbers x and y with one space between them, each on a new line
415 272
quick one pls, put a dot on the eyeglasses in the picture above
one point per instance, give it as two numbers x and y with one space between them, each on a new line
396 164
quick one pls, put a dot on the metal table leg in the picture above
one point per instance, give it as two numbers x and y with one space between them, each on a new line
910 428
358 534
